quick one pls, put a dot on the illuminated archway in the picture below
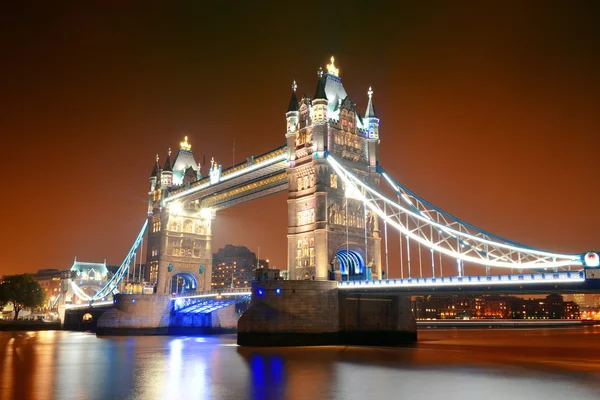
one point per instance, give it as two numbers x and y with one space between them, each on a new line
352 264
183 282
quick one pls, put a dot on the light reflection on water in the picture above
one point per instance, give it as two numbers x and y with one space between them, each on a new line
446 364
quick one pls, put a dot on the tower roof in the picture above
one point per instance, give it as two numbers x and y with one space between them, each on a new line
293 106
155 169
183 160
168 167
320 92
370 108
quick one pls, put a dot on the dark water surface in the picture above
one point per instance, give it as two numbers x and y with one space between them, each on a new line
557 363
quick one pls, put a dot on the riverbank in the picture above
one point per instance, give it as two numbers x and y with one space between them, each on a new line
29 326
503 323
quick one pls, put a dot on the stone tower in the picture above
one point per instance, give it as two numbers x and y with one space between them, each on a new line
179 235
330 235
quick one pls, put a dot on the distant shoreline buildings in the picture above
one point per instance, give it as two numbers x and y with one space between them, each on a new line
552 306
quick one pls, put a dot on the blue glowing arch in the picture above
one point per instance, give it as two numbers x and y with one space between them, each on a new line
351 262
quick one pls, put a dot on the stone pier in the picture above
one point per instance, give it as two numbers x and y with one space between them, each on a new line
153 315
301 313
136 315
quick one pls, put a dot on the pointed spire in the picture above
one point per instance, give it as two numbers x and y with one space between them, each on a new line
293 106
370 109
168 167
320 93
155 169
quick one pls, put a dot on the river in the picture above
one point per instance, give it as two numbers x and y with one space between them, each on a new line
447 364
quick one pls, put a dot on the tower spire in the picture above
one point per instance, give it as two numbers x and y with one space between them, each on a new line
156 168
370 109
293 106
168 167
320 92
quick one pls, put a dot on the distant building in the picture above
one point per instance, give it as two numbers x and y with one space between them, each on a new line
580 299
233 267
494 307
51 281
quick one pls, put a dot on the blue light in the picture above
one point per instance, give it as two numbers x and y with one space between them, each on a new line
278 291
260 292
133 300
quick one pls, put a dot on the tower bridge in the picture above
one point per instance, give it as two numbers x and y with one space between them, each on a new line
340 214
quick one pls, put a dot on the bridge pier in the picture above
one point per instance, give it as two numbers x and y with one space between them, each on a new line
311 313
155 315
136 314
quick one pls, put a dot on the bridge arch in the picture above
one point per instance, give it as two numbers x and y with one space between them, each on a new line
183 282
351 262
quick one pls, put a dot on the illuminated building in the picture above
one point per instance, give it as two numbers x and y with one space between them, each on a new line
233 267
494 307
51 281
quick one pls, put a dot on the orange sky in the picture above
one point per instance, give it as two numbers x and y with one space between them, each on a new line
488 111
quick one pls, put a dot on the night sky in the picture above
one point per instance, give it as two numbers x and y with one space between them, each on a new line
488 111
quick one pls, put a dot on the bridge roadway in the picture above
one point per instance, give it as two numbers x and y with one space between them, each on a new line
257 177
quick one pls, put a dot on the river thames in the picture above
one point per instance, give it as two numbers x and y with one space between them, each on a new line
493 364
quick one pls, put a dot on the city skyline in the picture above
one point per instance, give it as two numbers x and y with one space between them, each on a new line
494 124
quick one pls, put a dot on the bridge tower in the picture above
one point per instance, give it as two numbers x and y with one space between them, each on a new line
179 253
330 233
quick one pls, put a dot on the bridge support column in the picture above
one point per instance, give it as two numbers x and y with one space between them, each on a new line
136 314
376 319
308 313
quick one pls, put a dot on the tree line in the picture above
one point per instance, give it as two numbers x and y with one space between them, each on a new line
22 291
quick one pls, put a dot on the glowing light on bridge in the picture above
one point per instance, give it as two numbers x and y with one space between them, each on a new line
520 279
207 213
175 208
476 248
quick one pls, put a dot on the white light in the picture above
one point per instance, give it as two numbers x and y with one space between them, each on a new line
175 208
591 259
352 192
206 213
466 281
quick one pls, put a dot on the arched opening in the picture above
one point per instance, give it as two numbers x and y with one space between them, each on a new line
352 265
87 317
182 283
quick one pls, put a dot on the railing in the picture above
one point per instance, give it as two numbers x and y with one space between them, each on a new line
550 277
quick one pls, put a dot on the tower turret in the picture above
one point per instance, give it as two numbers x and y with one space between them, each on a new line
371 120
319 115
167 171
154 175
292 116
372 131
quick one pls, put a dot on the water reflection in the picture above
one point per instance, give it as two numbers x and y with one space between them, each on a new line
492 364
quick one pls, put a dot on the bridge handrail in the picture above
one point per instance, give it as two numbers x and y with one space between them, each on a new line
216 292
556 277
